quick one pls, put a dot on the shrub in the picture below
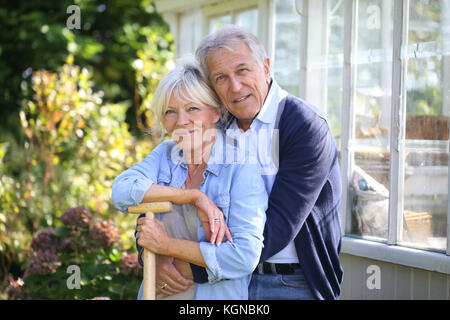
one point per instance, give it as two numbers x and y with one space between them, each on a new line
73 146
92 246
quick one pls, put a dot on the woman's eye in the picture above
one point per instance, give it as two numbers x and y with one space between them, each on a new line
169 112
192 108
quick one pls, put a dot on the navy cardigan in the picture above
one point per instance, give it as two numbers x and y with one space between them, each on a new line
305 199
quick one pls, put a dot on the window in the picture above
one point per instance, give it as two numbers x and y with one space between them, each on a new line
395 142
218 22
335 67
380 71
369 145
247 18
286 63
425 167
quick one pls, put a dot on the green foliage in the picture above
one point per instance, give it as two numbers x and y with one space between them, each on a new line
74 109
111 34
74 146
102 268
426 101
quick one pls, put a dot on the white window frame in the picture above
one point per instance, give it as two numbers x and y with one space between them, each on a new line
234 7
390 251
364 246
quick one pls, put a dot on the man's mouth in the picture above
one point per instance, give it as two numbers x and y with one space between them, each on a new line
241 99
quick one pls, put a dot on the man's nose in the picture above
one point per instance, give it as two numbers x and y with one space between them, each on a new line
235 84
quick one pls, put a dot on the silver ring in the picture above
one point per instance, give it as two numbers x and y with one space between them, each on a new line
217 219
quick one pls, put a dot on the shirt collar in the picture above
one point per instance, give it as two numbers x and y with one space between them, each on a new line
268 112
215 161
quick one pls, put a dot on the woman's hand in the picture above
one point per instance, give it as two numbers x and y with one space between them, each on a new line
152 235
212 219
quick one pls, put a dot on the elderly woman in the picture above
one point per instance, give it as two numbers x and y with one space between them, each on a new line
219 197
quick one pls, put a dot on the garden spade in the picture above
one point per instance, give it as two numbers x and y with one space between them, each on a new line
150 209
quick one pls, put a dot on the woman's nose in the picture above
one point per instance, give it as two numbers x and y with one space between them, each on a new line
183 118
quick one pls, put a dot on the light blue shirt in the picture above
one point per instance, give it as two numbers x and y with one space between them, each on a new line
235 187
260 140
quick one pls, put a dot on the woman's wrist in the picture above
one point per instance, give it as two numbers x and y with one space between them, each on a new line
194 196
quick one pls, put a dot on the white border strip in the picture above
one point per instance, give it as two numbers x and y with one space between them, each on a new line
416 258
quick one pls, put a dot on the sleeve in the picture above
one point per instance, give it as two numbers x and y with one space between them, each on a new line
307 153
246 218
129 188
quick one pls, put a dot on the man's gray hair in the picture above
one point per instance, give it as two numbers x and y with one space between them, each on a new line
226 38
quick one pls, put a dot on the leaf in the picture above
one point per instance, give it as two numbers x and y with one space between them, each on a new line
117 289
61 232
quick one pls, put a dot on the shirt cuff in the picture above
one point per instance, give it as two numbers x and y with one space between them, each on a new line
208 251
139 189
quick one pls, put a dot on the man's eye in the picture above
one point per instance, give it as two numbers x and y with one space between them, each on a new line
219 78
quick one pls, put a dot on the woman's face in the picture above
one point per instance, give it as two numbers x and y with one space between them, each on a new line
190 124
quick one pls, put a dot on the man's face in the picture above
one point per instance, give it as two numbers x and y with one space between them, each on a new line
239 81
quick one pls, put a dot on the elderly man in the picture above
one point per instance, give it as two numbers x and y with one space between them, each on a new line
298 156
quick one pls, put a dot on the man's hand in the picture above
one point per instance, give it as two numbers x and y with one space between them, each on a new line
170 278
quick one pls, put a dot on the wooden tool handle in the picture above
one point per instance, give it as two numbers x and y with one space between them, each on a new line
155 207
149 277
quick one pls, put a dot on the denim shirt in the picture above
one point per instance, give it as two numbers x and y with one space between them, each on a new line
233 182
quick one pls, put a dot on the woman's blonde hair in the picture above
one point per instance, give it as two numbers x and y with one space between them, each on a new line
186 82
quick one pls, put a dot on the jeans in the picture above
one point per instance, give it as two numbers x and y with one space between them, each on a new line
280 287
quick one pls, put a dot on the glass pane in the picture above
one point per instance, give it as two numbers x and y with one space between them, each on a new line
335 67
249 20
286 64
370 181
218 22
426 146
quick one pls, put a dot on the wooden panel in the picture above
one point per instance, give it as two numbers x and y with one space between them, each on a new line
439 289
403 281
420 284
397 282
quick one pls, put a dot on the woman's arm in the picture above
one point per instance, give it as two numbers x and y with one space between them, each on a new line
248 202
207 210
158 193
246 218
129 187
152 235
